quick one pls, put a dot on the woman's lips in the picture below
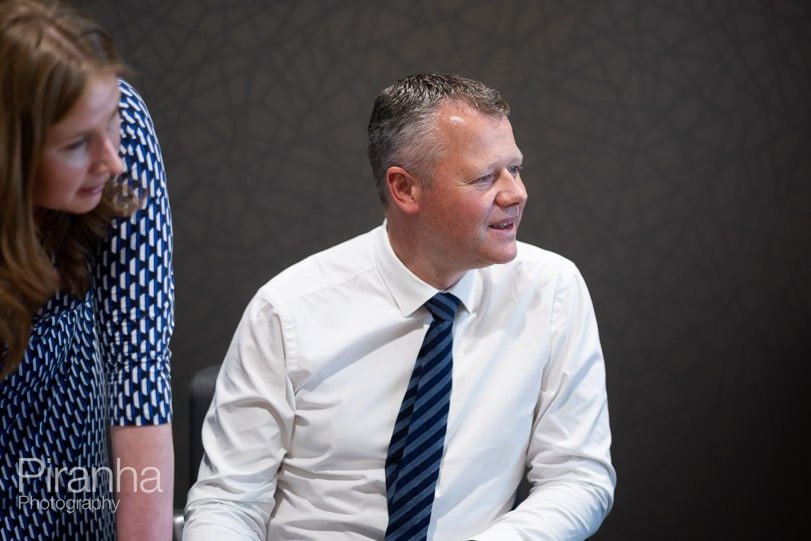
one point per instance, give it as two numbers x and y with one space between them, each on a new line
93 190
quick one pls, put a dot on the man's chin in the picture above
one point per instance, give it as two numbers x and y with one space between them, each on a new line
504 255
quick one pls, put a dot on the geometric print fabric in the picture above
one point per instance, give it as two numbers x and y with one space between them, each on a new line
91 362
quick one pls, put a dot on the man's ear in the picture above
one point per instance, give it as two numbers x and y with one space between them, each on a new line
404 189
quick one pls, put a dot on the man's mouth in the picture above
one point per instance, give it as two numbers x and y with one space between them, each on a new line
505 225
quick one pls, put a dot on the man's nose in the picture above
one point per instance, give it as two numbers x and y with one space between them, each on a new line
512 191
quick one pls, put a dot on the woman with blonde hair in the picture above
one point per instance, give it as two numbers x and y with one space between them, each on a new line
86 288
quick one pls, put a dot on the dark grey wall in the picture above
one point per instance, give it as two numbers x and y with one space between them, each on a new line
668 153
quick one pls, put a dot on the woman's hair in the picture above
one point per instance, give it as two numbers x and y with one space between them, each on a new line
402 127
49 53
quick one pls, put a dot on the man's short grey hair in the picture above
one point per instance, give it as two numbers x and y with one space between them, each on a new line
402 127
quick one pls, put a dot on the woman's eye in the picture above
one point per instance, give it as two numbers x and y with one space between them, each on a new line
115 122
76 145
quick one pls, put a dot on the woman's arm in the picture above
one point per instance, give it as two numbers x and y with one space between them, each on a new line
143 457
135 303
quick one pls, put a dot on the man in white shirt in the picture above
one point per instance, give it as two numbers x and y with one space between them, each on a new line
297 435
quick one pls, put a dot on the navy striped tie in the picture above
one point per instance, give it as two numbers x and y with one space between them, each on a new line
412 464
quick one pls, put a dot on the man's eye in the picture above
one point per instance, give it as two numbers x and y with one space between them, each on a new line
515 169
486 179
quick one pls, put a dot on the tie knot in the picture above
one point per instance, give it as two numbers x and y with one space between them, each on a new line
443 306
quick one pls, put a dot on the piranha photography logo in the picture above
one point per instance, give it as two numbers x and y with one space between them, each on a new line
43 485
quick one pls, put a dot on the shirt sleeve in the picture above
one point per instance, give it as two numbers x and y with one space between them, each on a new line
135 281
245 434
569 464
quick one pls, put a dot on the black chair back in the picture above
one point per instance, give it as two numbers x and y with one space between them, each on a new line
201 390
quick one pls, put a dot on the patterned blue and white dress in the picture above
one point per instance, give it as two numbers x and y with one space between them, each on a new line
91 362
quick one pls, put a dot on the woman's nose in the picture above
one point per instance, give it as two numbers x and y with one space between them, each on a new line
110 158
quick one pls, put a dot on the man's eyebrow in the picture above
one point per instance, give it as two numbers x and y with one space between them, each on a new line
511 160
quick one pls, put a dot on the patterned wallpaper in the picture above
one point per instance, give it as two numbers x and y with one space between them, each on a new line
668 153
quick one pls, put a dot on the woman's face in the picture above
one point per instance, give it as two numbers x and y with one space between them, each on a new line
81 151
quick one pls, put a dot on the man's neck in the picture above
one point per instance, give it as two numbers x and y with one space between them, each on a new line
406 246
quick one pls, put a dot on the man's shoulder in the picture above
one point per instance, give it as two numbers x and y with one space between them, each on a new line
532 268
536 259
534 271
328 268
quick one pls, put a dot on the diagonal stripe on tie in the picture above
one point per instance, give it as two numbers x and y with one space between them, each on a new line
418 438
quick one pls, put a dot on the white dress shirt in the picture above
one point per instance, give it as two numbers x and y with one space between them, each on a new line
297 433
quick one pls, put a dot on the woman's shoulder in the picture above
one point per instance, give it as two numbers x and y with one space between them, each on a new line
135 114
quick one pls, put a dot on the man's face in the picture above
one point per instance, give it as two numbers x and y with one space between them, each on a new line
470 211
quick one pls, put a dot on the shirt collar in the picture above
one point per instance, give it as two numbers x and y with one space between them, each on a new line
407 289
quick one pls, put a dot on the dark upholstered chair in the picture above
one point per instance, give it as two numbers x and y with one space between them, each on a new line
201 389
